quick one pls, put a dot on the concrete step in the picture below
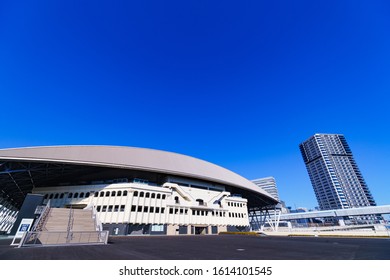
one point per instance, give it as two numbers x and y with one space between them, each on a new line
58 220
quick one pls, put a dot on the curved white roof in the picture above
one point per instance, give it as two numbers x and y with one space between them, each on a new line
134 158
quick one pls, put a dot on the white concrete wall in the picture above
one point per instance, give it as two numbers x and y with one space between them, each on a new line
134 208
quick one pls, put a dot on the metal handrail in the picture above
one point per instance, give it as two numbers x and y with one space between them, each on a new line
69 235
97 223
59 238
42 218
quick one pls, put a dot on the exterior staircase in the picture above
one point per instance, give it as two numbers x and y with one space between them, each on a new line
58 220
67 226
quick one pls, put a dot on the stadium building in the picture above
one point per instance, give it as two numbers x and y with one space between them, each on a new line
132 190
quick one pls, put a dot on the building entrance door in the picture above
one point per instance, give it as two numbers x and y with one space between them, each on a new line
200 230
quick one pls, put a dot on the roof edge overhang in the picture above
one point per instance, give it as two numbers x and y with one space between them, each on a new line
136 159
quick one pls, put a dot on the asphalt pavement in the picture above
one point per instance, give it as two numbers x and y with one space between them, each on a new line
210 247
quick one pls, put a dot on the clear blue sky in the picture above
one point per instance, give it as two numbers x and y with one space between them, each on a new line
237 83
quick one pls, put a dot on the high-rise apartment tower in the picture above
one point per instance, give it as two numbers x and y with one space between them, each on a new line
269 185
334 174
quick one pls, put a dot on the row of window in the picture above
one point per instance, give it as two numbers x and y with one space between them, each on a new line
151 209
205 213
236 215
151 195
110 208
70 195
235 204
112 193
103 194
197 212
147 209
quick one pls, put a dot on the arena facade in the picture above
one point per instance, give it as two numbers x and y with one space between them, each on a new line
134 190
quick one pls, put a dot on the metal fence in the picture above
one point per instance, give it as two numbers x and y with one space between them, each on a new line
63 238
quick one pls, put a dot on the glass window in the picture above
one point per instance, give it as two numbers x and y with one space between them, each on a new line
96 194
158 196
51 196
135 193
147 195
104 209
87 194
122 208
81 195
113 193
116 208
110 208
153 195
119 193
107 193
141 194
62 195
159 228
76 195
101 194
70 195
56 196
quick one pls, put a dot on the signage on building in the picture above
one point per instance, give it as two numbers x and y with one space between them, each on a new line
24 226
